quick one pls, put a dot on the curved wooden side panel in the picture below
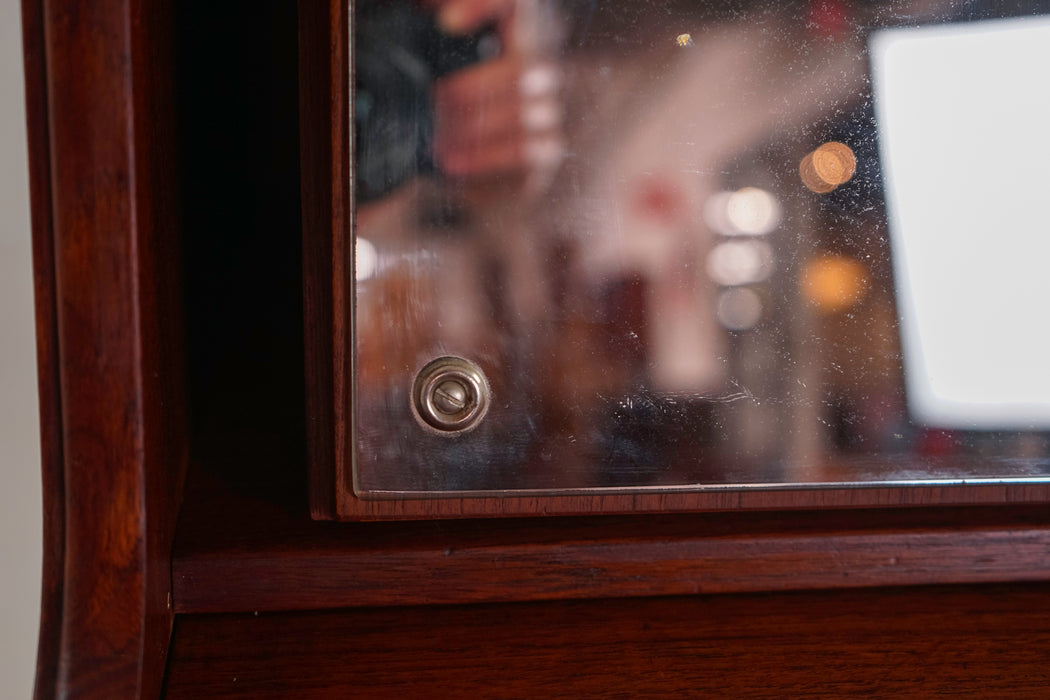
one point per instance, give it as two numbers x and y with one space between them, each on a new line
108 315
46 349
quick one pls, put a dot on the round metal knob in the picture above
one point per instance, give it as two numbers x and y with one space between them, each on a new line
450 395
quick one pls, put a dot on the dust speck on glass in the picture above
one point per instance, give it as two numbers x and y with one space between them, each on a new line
690 245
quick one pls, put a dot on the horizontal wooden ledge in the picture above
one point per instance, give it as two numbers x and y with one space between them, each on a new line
984 641
279 561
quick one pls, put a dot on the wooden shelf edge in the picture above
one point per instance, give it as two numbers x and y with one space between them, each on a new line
985 641
363 565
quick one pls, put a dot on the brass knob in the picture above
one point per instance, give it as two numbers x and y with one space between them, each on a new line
450 395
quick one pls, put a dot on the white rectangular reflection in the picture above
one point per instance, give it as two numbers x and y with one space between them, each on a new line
964 127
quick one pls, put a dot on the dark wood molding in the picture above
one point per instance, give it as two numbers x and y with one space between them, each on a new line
53 481
325 143
978 641
109 326
236 552
106 237
354 508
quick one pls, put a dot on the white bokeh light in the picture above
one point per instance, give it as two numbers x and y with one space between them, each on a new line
365 259
752 211
739 308
736 262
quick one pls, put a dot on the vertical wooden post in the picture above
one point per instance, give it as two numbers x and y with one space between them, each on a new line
101 117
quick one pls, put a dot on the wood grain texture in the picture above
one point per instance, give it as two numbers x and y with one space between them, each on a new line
354 508
241 552
114 320
325 161
988 642
53 482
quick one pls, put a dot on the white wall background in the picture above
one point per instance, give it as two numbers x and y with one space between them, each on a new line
20 492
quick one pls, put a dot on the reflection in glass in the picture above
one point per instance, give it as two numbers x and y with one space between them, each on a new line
739 308
665 239
365 257
968 216
831 165
834 283
740 262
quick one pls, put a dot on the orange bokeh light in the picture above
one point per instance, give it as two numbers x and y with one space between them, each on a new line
830 165
834 282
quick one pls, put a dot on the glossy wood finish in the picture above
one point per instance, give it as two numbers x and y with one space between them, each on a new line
108 316
327 248
53 481
105 239
354 508
985 642
325 152
247 545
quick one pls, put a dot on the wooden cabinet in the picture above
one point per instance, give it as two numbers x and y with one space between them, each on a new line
171 283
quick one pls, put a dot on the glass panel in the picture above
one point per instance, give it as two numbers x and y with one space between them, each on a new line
682 245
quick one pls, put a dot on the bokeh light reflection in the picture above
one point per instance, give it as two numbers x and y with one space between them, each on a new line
827 167
739 308
734 263
365 259
834 282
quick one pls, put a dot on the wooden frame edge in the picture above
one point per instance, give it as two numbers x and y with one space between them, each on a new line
105 238
325 208
625 556
52 477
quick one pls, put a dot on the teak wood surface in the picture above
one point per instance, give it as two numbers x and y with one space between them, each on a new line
987 642
114 373
100 110
236 553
